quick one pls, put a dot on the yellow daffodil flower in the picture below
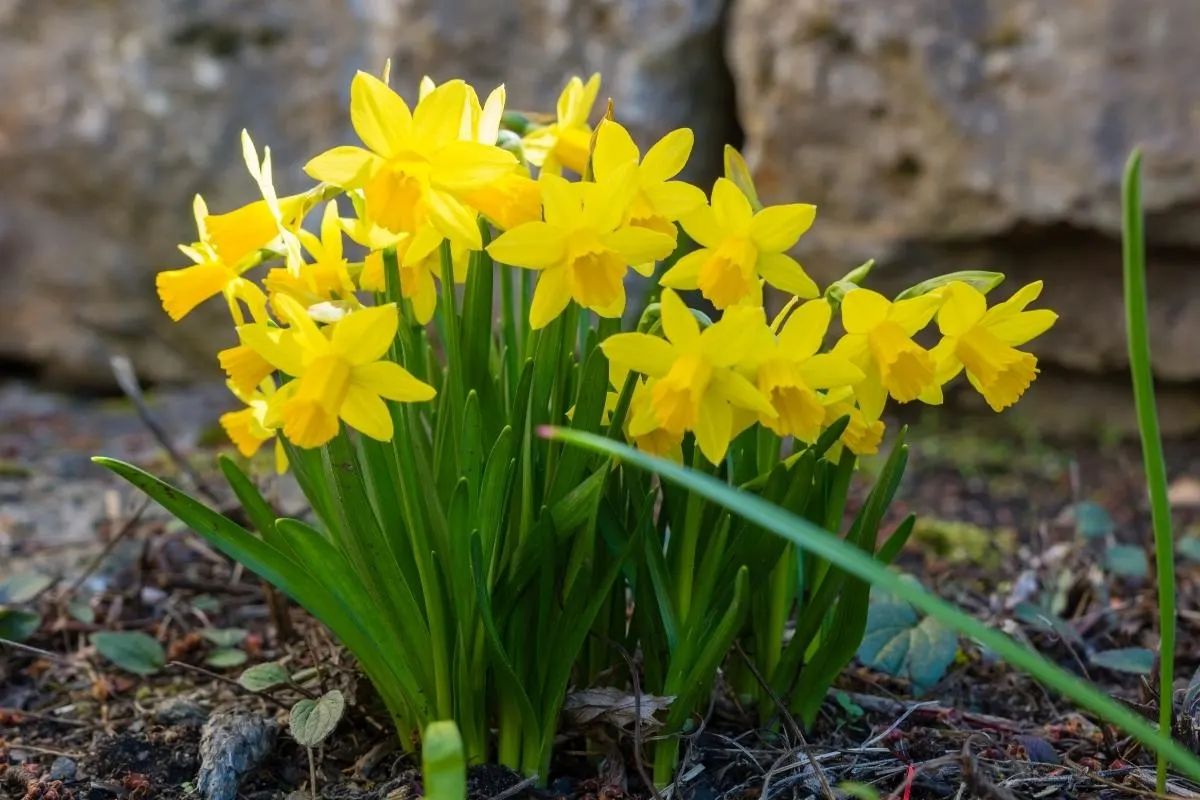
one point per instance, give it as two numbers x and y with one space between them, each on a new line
879 341
244 368
642 428
327 277
790 371
416 168
181 290
863 434
696 382
738 245
246 427
659 201
984 340
581 249
343 375
567 141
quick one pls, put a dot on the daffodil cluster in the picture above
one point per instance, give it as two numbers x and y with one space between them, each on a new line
432 183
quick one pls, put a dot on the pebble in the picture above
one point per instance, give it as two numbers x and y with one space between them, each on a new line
63 769
231 746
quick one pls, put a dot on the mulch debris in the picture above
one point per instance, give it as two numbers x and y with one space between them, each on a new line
999 534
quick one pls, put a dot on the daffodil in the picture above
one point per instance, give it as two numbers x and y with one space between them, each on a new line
343 375
566 141
244 367
181 290
879 341
246 427
696 383
581 248
984 341
327 278
416 168
790 372
862 435
660 201
643 429
480 122
739 245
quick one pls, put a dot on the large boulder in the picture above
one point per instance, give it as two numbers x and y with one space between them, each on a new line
936 135
116 113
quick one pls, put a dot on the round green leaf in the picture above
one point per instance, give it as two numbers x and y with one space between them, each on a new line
313 720
1092 521
23 588
899 642
82 611
132 652
263 676
1127 560
1189 548
225 637
226 657
18 625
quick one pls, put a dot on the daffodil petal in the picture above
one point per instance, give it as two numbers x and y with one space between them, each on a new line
438 116
685 274
732 209
422 245
453 219
533 245
562 201
785 273
805 329
380 116
390 380
825 371
614 148
276 345
366 412
704 227
962 309
550 297
741 392
915 313
1015 304
639 245
871 395
181 290
365 335
605 205
674 200
863 309
639 352
777 228
714 427
464 166
682 329
346 166
667 157
1026 325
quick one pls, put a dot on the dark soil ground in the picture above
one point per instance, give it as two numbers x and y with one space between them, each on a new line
998 535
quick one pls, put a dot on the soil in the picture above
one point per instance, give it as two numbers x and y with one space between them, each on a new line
998 530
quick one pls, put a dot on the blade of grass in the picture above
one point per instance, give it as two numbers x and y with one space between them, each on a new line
1155 464
807 536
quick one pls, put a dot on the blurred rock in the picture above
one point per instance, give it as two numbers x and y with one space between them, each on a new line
937 135
115 114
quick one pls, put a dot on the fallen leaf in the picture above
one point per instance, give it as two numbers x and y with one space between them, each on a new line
613 706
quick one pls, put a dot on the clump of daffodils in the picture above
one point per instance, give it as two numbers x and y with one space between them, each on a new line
438 183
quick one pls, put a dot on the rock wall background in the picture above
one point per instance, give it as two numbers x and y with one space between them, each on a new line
932 135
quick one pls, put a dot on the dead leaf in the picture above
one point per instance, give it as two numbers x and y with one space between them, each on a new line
1184 492
613 706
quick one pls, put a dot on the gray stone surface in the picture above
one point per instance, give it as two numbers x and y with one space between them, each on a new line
116 113
966 134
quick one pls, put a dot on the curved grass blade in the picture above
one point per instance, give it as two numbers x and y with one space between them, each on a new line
809 537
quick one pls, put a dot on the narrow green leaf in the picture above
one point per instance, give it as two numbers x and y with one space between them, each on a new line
261 515
443 762
809 537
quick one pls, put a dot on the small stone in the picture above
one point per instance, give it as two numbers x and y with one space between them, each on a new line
63 769
232 745
180 712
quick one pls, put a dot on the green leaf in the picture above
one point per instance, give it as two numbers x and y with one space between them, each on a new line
1048 621
311 721
1134 660
226 658
901 643
225 637
443 762
1189 548
1126 560
17 625
261 515
981 280
206 603
261 677
861 791
1092 521
81 610
131 651
809 537
22 588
